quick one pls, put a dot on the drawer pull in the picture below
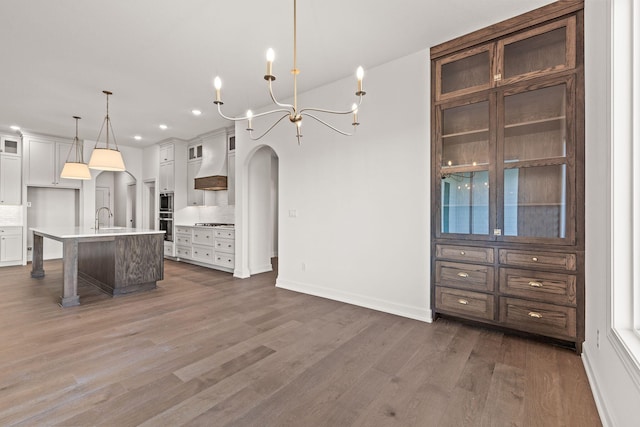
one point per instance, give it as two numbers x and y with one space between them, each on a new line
462 253
535 315
535 284
463 301
463 274
534 259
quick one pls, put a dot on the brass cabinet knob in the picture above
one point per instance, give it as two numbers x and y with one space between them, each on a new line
534 259
463 274
535 315
462 253
463 301
535 284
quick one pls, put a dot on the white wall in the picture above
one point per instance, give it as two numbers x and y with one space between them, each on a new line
360 233
616 393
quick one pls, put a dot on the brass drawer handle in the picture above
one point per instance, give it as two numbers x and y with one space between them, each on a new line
534 259
463 274
535 284
462 253
535 315
463 301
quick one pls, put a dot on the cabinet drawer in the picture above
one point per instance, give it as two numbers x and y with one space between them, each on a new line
465 253
10 231
202 253
555 288
225 245
559 260
168 250
225 260
183 239
202 237
466 303
183 252
182 229
225 234
546 319
467 276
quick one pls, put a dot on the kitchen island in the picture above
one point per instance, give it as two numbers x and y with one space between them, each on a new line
117 260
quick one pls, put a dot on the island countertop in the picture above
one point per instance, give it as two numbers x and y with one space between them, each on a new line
59 233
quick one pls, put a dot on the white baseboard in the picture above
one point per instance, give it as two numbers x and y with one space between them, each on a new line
261 269
412 312
595 389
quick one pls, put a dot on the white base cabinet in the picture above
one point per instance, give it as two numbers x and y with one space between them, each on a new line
10 246
206 246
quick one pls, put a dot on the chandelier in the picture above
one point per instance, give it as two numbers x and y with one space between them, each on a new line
292 111
106 159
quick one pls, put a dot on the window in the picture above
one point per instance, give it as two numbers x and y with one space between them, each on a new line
625 185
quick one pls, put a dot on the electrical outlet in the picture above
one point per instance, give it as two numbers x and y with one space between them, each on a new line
598 338
28 204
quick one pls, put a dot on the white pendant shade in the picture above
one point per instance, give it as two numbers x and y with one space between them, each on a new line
106 159
73 170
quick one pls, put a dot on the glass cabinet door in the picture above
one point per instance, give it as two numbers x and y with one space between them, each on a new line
464 73
535 152
464 169
543 50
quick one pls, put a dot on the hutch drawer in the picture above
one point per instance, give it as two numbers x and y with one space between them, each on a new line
552 320
224 234
554 288
225 260
225 245
564 261
466 276
182 229
183 239
465 253
465 303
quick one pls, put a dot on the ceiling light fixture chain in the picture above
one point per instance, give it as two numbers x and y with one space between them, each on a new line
294 114
76 169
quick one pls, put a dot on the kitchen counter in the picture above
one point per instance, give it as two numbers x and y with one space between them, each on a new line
117 260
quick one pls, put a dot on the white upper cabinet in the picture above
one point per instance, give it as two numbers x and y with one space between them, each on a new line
10 180
45 161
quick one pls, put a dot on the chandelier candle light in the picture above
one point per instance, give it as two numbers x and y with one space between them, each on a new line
106 159
77 169
291 111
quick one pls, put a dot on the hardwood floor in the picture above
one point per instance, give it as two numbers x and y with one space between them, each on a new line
207 349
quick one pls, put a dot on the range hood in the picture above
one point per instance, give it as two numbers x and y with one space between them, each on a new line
212 182
213 170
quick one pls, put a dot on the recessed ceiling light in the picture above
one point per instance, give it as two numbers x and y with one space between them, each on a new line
196 112
137 137
14 127
163 127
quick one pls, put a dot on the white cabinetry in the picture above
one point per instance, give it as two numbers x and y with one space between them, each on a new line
167 171
10 145
10 180
10 246
206 246
46 159
194 197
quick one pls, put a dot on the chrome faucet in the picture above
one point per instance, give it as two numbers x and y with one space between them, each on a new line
98 215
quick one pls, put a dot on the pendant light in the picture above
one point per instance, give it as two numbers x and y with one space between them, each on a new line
76 169
106 159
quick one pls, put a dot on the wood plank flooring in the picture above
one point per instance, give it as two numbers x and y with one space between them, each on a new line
205 349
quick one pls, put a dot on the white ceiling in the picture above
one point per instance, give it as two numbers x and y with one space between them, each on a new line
159 57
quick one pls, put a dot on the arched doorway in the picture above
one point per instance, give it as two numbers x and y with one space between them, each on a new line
262 174
116 191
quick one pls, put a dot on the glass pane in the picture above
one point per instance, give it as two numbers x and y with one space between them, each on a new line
467 72
535 124
535 53
10 146
465 135
535 201
465 203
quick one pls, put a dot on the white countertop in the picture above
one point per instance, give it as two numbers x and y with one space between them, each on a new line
79 232
226 226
